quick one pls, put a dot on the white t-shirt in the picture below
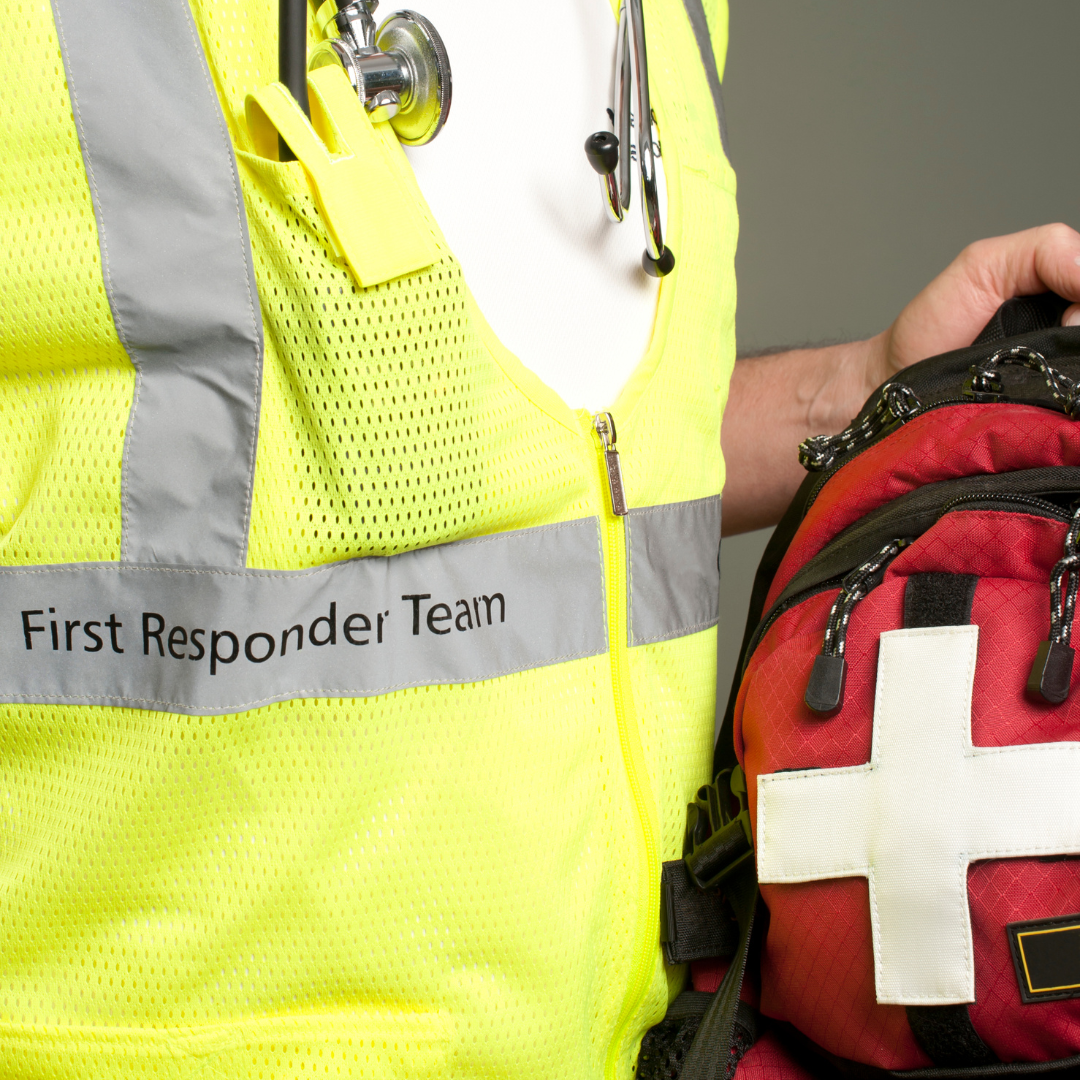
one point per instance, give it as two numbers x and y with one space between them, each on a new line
508 181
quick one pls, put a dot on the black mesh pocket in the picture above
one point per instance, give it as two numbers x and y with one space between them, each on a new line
664 1047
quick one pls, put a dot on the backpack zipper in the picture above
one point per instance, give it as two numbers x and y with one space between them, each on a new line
1043 506
897 404
828 472
1051 672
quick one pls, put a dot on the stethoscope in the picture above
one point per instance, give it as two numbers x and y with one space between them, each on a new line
401 72
603 148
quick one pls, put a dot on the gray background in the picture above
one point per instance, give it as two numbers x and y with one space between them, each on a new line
872 141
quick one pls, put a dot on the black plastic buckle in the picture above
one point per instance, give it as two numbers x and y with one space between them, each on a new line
718 838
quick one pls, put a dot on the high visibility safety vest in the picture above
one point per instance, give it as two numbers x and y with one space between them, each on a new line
343 725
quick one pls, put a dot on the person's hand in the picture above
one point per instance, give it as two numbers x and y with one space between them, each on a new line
960 301
790 395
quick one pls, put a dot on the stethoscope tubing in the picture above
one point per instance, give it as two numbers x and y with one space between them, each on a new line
613 158
292 58
650 198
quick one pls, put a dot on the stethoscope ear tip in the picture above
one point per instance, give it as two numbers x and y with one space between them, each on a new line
658 267
602 150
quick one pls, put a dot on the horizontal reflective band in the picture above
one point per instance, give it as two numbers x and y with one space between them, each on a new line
674 569
218 641
176 264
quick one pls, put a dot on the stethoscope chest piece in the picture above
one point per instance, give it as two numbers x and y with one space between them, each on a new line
400 71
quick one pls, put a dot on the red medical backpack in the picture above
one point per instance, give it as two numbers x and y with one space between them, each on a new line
884 880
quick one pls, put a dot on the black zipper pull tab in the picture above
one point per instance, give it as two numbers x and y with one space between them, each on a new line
1051 673
825 689
605 427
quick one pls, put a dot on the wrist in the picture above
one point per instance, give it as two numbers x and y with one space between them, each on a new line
853 371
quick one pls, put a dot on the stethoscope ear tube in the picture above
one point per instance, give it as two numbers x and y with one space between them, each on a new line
292 57
610 152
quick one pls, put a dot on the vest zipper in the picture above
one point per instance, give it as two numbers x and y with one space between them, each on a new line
604 423
614 543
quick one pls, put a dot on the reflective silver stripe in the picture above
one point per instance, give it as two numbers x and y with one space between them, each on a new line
219 641
695 10
177 268
674 585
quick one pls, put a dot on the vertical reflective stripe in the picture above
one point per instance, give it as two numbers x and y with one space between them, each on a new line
695 10
674 563
177 270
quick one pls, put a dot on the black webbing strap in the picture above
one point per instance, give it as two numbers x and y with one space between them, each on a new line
710 1055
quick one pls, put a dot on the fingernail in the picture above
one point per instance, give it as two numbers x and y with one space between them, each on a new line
1071 317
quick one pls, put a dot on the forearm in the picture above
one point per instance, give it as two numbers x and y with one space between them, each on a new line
775 402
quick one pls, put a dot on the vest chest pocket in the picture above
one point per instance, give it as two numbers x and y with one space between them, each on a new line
358 176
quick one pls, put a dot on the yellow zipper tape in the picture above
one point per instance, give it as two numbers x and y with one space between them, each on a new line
647 931
354 168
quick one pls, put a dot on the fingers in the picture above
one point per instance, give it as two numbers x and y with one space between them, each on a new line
1024 264
1071 316
958 303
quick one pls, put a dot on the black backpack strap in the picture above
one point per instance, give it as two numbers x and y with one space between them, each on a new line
716 1050
1022 315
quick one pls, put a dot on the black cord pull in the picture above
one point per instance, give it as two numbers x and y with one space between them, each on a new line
1051 673
825 689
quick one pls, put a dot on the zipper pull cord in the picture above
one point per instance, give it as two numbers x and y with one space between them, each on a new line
1051 673
986 379
825 689
604 423
895 403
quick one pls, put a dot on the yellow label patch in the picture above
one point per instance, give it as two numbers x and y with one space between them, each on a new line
1046 955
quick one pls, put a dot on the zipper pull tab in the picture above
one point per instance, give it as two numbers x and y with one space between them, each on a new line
1051 674
824 695
605 427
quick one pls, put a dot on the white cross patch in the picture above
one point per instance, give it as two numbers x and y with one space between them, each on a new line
927 804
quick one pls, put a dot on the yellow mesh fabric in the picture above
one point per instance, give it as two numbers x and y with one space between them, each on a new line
65 380
443 882
295 883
